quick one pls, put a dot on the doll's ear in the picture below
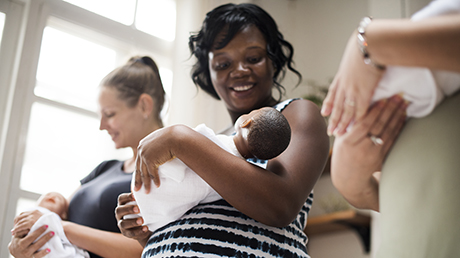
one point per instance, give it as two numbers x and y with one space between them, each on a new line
246 123
51 198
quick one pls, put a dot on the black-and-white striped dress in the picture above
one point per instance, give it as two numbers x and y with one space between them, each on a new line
219 230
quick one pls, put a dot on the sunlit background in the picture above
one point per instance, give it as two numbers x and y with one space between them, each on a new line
63 141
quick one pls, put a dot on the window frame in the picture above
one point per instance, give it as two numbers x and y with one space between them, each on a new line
25 21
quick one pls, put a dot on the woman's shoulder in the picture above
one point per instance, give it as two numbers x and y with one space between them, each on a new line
110 162
296 104
104 166
107 164
301 110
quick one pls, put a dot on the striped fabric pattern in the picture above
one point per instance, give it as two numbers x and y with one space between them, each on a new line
219 230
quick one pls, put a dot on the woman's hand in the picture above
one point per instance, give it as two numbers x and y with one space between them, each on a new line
131 228
356 157
24 247
351 91
24 222
152 151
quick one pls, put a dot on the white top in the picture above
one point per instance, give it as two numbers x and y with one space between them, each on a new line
423 87
59 245
181 188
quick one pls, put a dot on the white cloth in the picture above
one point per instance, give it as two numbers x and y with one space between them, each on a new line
424 88
59 245
180 190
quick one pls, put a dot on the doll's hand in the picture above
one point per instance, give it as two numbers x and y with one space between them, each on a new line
351 91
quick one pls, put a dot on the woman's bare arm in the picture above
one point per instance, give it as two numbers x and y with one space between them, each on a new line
431 43
273 197
102 243
355 158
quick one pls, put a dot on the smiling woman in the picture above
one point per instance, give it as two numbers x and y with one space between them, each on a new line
231 66
131 99
241 57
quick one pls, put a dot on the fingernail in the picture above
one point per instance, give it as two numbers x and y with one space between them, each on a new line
136 210
405 104
48 250
45 226
329 130
336 131
145 229
396 98
51 233
139 221
323 110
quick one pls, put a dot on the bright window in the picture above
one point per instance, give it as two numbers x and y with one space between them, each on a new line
64 143
62 148
23 205
121 11
166 79
70 69
157 17
52 139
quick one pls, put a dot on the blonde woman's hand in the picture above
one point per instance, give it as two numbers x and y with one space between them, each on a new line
24 222
351 91
27 247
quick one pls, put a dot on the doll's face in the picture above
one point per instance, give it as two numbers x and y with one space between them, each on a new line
54 202
242 127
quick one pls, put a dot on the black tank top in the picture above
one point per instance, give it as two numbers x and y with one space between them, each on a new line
94 204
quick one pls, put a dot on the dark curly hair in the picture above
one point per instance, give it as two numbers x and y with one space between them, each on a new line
269 134
234 18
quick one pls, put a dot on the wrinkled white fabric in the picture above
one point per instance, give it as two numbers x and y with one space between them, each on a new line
180 189
59 245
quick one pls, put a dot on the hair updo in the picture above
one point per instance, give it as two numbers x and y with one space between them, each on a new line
139 75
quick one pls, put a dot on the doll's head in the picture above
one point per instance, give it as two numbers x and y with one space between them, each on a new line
264 133
54 202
